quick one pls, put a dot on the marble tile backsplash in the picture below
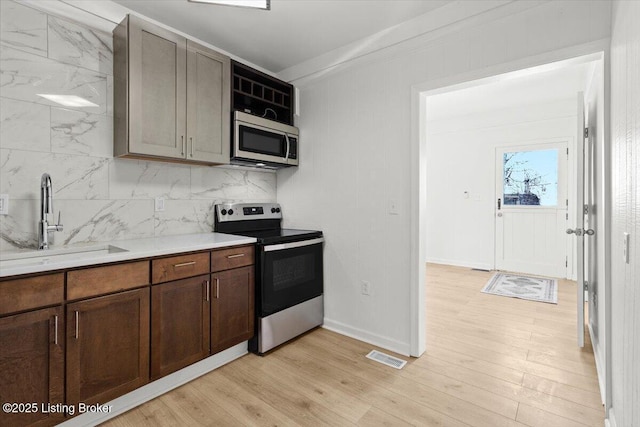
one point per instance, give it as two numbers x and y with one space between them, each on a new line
101 198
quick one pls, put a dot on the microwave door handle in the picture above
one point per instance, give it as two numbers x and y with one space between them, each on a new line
286 156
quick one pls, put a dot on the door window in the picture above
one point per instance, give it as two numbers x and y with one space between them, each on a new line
530 178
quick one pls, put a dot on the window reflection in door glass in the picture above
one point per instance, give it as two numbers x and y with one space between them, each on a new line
530 178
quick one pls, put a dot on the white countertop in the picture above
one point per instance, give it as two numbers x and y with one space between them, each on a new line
32 261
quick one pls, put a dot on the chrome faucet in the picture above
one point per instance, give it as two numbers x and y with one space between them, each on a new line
46 208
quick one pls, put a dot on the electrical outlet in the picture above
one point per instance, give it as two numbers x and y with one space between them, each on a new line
365 288
159 204
4 204
625 247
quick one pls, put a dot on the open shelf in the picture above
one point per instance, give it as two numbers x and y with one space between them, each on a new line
257 93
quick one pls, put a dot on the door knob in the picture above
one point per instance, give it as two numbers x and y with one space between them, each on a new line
589 232
577 231
499 214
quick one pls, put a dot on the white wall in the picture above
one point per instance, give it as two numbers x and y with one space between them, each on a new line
461 157
625 283
101 198
356 153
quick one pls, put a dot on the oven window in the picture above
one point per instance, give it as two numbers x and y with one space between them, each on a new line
289 277
259 141
287 272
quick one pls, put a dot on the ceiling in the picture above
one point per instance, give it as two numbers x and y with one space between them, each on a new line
510 91
291 32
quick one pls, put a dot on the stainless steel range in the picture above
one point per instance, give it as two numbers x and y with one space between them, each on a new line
289 277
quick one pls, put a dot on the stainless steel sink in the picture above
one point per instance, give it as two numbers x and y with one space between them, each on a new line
57 255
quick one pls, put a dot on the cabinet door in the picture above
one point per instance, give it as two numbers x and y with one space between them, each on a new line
32 365
107 346
179 324
232 307
157 90
208 118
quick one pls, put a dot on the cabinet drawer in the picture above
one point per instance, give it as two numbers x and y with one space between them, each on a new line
32 292
179 267
239 256
103 280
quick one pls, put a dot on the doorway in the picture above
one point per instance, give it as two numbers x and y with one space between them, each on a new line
463 222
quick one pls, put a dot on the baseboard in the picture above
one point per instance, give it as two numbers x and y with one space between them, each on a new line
610 421
152 390
599 367
368 337
458 263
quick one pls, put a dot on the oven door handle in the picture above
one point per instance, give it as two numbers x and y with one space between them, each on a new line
283 246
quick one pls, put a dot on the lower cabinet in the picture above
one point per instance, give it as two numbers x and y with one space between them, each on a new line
98 348
107 346
32 367
232 307
179 324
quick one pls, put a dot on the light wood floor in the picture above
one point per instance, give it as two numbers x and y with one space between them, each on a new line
490 361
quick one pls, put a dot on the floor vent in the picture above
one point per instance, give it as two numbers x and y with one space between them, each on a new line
385 359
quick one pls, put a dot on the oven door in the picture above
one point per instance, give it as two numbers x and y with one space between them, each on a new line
291 274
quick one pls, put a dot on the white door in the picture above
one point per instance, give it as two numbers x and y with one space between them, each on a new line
531 209
582 230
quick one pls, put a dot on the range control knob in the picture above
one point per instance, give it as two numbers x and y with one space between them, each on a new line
230 211
278 210
273 210
223 212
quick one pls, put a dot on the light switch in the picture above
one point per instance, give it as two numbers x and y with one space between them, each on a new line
393 207
625 247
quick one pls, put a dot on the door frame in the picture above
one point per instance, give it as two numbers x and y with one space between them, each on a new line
569 178
594 51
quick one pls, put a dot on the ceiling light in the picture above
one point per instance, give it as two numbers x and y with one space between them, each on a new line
256 4
68 100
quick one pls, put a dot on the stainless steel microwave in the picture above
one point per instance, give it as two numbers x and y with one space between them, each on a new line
262 142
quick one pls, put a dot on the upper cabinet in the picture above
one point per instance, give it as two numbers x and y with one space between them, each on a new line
171 96
208 117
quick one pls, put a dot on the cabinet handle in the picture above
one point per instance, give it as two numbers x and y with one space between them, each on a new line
77 324
191 142
184 264
235 256
55 329
207 287
182 142
217 288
